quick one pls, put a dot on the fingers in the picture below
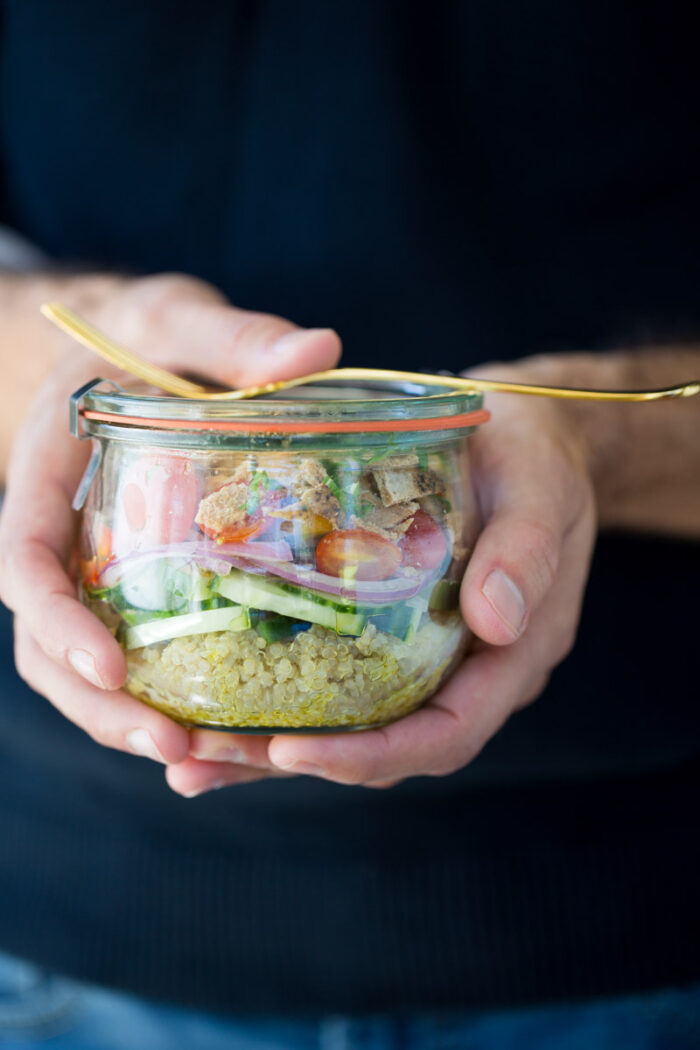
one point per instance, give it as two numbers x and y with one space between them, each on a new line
439 738
186 324
113 719
35 586
450 731
194 777
532 497
36 535
220 759
212 745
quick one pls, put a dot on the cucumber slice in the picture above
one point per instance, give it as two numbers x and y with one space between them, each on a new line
260 592
444 596
164 586
280 628
401 620
231 618
149 586
135 617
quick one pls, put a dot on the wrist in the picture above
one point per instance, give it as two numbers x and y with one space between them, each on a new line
643 460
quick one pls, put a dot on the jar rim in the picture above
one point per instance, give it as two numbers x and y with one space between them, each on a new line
384 406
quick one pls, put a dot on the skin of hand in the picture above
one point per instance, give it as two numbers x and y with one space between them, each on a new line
61 649
546 475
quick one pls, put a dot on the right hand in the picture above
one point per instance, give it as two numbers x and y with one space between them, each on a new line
62 650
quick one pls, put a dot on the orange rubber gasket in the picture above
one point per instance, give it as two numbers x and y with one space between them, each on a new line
352 426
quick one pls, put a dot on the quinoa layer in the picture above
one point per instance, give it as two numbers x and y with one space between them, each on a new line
318 679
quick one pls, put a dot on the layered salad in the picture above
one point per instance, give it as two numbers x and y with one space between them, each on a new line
280 591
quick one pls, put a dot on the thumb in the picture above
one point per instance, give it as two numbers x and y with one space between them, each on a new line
189 326
531 502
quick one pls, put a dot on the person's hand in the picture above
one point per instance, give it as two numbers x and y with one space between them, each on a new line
62 650
521 596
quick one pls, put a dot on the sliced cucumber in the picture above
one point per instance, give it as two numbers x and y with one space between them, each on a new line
401 620
164 586
135 617
230 618
444 595
260 592
150 586
279 628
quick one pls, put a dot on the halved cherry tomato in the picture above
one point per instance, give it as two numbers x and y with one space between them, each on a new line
359 552
157 503
252 526
104 545
424 544
89 572
90 568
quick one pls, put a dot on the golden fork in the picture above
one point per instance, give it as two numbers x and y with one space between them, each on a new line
94 340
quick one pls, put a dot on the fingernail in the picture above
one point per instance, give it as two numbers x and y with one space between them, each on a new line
303 767
505 599
222 754
141 742
209 785
84 663
290 342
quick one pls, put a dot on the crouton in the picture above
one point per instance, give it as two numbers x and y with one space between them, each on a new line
390 522
408 482
223 509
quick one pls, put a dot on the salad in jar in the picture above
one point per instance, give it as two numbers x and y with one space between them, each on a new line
281 588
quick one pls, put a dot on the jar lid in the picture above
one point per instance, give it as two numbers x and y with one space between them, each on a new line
366 412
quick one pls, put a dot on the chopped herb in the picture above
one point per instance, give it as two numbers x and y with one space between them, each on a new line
259 479
334 487
423 459
382 454
365 507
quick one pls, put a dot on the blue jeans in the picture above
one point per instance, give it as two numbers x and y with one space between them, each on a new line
38 1009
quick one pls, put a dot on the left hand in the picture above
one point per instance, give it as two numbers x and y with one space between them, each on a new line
521 596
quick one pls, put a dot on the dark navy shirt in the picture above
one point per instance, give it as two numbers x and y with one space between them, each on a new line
445 185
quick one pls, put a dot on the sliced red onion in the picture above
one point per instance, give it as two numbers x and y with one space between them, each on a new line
113 572
258 558
213 557
275 550
378 592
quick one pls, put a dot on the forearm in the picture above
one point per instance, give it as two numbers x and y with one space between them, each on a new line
644 458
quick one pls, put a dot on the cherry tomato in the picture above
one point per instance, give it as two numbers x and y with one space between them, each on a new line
424 544
157 503
90 568
371 556
89 571
104 545
252 526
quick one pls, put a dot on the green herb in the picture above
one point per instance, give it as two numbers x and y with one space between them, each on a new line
259 479
364 508
423 459
335 488
382 454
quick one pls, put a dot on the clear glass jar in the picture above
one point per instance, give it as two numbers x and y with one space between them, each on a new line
277 565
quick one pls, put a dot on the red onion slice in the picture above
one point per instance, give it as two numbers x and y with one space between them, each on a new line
258 558
213 557
377 592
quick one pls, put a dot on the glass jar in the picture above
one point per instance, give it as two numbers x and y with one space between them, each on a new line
276 565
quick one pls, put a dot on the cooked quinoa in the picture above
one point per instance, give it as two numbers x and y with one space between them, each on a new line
319 679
